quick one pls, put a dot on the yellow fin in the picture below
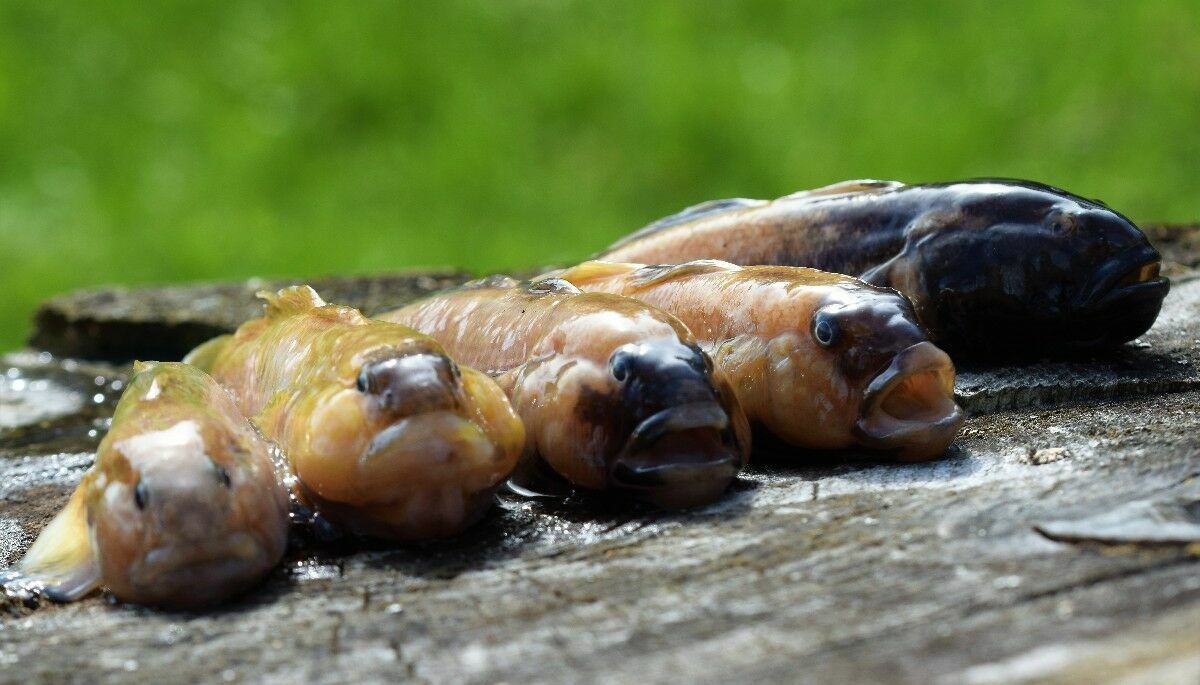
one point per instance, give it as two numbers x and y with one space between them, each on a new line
291 300
61 562
593 270
661 273
845 188
205 356
140 366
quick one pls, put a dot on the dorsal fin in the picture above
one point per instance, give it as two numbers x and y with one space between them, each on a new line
864 185
555 286
593 270
291 300
704 209
493 281
661 273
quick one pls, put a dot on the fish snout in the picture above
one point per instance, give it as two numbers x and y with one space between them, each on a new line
1121 300
413 383
680 457
909 407
662 373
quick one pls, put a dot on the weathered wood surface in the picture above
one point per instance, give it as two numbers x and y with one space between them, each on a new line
808 571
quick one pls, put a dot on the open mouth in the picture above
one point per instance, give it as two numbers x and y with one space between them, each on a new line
910 406
681 457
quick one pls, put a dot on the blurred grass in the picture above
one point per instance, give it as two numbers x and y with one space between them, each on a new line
180 141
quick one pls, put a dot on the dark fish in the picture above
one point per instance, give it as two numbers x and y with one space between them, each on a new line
995 268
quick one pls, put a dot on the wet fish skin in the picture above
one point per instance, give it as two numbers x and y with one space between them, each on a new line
996 268
802 348
615 394
386 434
182 509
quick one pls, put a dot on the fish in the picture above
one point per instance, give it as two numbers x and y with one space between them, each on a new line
616 395
183 507
819 360
386 434
997 269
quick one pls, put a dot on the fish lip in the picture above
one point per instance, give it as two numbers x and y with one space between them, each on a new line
1153 290
674 420
677 418
1104 285
239 556
386 440
921 357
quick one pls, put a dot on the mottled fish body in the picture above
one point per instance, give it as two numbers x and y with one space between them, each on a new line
820 360
182 509
615 394
995 268
386 434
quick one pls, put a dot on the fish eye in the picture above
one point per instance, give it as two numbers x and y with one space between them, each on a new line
141 495
1062 223
826 330
223 475
361 382
619 366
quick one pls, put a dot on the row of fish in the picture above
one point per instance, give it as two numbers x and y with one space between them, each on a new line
641 380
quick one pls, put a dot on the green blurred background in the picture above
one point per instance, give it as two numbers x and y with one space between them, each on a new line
180 141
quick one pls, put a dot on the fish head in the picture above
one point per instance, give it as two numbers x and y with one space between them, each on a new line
683 436
1015 269
404 443
883 385
186 515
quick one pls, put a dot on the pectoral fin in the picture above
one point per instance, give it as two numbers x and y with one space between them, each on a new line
61 563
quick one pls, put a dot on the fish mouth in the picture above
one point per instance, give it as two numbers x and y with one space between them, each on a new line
1133 275
200 574
683 456
909 407
433 448
1121 301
